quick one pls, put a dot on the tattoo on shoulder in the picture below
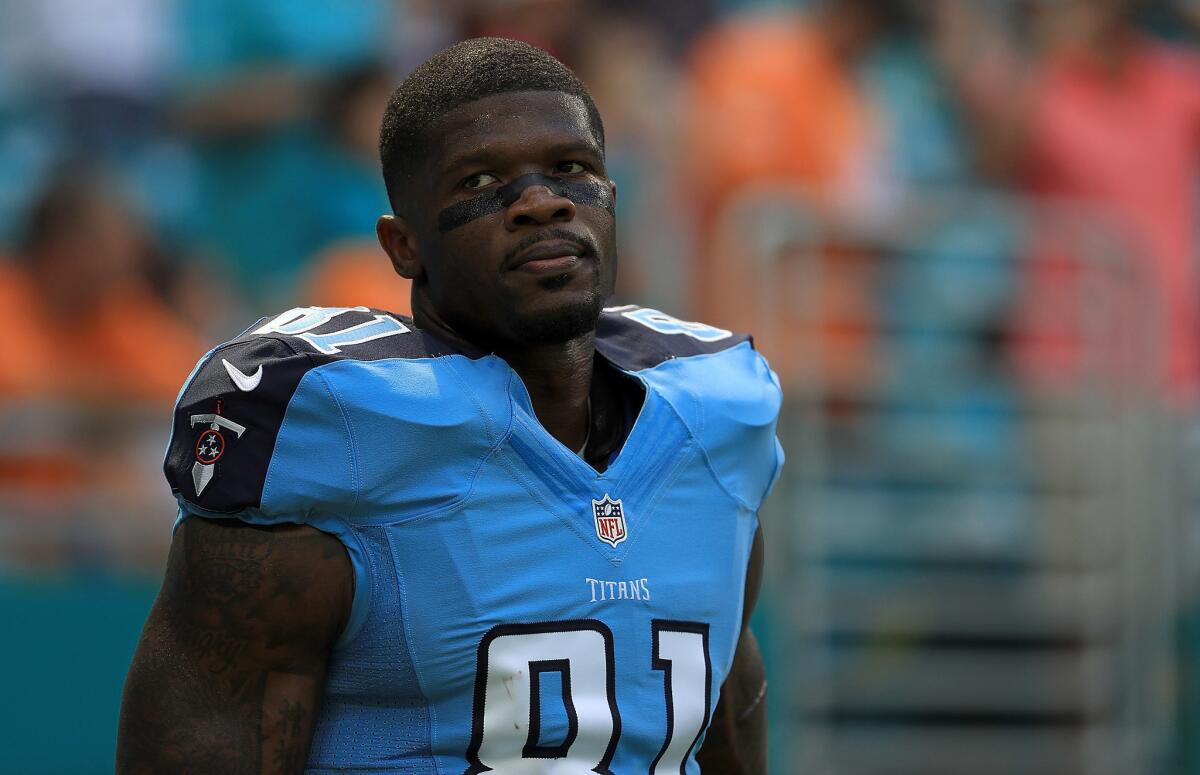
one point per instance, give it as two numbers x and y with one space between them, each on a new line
231 565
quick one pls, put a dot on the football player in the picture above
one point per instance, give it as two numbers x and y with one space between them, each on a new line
514 533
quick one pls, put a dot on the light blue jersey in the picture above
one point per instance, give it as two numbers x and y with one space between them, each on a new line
515 611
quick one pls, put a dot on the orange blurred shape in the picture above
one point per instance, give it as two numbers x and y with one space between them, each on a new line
770 99
45 472
356 273
26 368
127 346
774 103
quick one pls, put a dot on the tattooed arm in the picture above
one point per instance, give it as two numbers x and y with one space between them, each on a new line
231 662
736 743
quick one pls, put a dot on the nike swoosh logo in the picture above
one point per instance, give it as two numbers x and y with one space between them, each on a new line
244 382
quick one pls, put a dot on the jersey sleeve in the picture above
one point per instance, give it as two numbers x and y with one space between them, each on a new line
731 402
258 435
740 413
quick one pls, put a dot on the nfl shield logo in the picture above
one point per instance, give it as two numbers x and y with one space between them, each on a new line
610 521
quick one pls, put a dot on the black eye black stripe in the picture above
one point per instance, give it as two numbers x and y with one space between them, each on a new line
588 193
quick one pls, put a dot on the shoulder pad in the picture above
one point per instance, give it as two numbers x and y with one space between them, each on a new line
730 402
230 411
636 338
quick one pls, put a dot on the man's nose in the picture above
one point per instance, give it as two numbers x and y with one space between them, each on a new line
538 206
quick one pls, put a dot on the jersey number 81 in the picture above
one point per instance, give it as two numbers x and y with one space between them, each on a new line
506 725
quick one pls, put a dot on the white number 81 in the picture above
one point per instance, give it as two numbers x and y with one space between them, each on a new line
507 717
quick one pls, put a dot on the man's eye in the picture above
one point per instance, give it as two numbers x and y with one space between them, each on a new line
480 180
570 168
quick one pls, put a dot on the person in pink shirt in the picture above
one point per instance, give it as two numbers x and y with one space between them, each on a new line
1110 119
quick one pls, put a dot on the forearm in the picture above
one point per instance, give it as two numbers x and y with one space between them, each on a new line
203 715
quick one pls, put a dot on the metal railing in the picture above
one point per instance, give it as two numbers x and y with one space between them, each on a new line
970 570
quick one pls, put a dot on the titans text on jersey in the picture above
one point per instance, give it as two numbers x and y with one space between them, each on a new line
514 611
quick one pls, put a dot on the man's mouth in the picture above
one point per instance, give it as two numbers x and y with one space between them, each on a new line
553 255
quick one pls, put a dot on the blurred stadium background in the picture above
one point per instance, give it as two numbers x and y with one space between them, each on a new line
965 233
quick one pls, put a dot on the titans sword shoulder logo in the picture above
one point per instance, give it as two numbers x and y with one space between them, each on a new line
210 445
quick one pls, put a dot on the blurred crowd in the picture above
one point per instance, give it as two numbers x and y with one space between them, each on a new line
940 218
171 171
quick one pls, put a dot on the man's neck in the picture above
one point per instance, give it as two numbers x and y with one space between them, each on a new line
559 380
558 377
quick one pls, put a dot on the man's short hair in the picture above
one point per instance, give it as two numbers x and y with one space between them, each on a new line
465 72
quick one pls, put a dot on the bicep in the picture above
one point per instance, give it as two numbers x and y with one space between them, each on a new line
230 665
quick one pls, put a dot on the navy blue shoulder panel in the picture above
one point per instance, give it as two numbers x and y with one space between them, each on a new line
230 411
635 338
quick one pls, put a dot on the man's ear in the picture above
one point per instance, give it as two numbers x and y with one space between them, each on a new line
397 240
